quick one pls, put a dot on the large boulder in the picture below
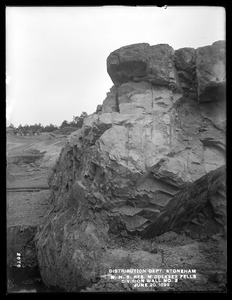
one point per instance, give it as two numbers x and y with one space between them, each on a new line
211 72
142 62
149 163
127 62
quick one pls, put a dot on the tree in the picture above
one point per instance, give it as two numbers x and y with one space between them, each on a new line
64 124
77 122
76 119
72 124
11 126
36 127
49 128
84 114
26 127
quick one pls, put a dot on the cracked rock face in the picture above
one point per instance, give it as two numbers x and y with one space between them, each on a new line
211 75
150 161
142 62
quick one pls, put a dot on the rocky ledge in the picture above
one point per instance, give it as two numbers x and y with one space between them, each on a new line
149 161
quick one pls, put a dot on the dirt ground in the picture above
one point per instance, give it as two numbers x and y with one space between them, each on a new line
29 160
175 253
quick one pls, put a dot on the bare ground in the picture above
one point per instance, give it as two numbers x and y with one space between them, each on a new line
173 252
29 161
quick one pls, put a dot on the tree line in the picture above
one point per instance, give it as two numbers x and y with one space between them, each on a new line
76 122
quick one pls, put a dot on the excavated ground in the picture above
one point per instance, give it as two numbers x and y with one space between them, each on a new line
29 160
28 203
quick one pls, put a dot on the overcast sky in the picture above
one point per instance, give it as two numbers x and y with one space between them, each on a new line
56 56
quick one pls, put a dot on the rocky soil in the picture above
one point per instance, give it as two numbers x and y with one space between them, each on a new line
170 251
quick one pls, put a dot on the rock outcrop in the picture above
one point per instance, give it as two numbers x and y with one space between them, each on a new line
211 75
151 160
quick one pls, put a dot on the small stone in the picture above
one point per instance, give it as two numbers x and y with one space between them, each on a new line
124 233
154 250
146 248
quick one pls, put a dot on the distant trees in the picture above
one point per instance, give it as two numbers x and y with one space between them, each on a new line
75 119
64 124
76 122
83 115
34 128
50 128
11 126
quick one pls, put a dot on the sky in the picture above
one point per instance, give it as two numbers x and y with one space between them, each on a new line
56 56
